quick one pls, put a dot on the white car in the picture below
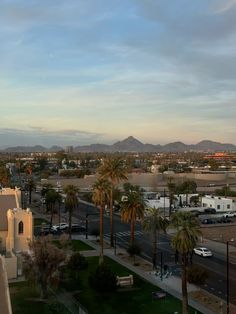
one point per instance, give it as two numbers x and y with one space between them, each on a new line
202 251
63 226
229 214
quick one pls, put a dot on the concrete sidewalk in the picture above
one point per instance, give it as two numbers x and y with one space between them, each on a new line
171 285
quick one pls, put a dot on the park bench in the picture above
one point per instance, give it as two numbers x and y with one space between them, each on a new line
125 281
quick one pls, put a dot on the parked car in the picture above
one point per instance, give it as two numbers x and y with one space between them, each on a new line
210 210
229 214
202 251
224 220
207 221
77 228
62 226
46 230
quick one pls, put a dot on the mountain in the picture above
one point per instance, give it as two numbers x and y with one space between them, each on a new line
32 149
131 144
207 145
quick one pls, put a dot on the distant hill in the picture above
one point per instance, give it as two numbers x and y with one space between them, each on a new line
131 144
32 149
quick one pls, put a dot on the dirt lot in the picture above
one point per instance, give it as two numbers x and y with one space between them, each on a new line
221 233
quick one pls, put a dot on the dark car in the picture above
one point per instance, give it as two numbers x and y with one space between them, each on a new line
209 210
77 228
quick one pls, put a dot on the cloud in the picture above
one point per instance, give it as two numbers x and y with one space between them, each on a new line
38 135
225 6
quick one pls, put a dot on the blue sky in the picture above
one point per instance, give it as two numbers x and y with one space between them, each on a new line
87 71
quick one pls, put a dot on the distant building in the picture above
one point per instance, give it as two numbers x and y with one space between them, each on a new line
69 149
221 204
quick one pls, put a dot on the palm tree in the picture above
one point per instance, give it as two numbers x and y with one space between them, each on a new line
172 189
71 202
51 197
101 192
153 223
132 209
30 185
114 170
188 230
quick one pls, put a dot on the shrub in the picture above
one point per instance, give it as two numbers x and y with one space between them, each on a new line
76 263
103 279
196 275
134 249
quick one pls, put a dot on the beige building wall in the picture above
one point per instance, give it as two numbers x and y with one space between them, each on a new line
3 236
19 236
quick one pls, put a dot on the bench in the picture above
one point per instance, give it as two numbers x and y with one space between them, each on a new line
125 281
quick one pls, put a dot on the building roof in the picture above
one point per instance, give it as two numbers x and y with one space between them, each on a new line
6 202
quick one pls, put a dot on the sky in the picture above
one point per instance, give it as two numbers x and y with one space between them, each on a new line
77 72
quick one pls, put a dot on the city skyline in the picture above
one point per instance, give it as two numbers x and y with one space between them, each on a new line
81 72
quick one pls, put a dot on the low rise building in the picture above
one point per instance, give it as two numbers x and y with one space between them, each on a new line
221 204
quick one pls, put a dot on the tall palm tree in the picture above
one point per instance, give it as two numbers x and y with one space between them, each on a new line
30 185
153 223
101 192
171 189
71 202
132 209
51 197
184 241
113 168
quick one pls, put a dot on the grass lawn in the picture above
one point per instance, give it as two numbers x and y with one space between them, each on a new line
137 300
76 245
24 301
39 221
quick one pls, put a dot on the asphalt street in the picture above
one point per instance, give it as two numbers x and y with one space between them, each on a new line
216 265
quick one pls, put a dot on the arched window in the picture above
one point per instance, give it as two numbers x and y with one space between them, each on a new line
21 227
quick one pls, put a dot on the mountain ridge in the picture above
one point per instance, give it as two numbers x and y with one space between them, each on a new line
131 144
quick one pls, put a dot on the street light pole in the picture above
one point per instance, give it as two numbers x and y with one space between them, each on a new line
115 244
227 275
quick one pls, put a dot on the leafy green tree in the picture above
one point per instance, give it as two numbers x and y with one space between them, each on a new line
101 192
71 202
4 176
103 279
153 223
132 209
183 242
113 168
77 262
42 266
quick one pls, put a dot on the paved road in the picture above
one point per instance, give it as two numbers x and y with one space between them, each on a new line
216 265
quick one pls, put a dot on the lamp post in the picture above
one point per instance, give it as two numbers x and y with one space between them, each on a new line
227 275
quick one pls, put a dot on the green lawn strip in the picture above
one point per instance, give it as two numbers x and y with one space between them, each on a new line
136 300
76 245
24 300
39 221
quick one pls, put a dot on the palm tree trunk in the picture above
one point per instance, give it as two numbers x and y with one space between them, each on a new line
101 235
184 286
52 213
154 248
111 219
132 231
70 218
